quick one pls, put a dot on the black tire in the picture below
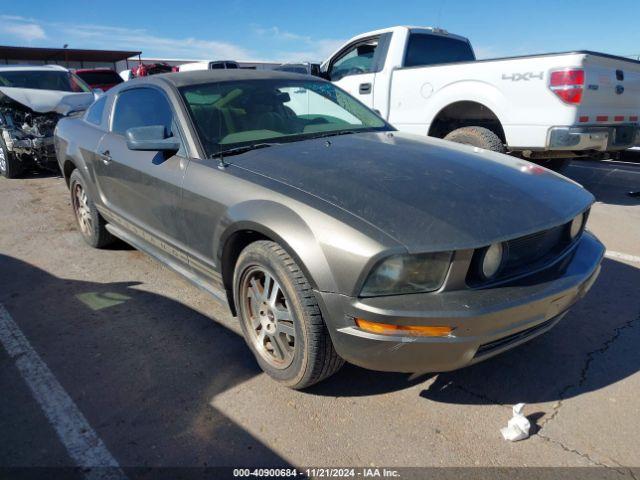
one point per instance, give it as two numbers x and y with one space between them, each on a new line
10 166
90 223
313 357
478 137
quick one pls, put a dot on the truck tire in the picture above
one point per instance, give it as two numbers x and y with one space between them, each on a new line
92 225
10 166
280 318
558 165
478 137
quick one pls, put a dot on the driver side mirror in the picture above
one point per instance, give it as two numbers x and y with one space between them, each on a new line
322 71
152 138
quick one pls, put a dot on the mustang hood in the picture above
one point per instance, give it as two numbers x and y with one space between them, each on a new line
427 194
44 101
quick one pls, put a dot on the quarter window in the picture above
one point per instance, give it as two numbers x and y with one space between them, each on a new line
141 107
95 112
356 60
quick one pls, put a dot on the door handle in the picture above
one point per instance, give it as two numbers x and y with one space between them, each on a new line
106 157
365 88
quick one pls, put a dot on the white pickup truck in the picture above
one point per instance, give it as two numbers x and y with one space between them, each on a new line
546 108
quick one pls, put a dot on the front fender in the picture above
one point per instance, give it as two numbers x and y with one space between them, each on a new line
283 226
332 252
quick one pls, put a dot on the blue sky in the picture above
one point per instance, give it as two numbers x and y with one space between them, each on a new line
301 30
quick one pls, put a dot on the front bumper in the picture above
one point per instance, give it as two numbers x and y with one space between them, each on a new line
40 147
486 322
599 138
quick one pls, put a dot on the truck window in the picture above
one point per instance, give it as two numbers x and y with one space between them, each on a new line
356 60
427 49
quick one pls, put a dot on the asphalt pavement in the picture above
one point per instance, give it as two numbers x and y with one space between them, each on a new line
117 359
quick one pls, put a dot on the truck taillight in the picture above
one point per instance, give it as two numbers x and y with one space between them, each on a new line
568 85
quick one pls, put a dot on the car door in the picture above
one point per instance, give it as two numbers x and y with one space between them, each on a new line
354 69
142 189
90 135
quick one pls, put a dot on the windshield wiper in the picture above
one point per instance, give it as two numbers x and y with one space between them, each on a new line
238 150
339 132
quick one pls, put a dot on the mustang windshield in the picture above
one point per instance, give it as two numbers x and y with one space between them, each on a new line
233 114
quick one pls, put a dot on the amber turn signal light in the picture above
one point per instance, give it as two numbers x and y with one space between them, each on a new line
413 330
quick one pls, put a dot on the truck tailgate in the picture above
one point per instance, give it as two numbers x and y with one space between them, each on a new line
612 87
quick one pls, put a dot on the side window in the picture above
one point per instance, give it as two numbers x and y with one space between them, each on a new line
141 107
96 111
356 60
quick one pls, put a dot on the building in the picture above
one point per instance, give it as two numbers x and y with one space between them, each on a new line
68 57
118 60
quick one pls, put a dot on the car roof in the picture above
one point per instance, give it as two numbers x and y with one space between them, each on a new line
197 77
33 68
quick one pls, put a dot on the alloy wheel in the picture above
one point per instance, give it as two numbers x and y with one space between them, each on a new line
82 210
3 161
269 320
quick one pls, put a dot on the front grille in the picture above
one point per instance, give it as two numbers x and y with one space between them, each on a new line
525 254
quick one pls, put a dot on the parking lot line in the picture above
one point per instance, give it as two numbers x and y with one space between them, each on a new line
622 256
82 443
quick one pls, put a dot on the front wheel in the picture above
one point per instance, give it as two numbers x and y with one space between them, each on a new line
10 166
280 317
478 137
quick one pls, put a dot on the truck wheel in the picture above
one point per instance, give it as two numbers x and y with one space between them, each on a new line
280 317
478 137
10 166
92 225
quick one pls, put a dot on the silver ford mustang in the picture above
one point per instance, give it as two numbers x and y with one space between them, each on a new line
330 235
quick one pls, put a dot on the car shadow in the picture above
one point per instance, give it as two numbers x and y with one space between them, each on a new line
609 182
561 363
141 367
353 381
36 172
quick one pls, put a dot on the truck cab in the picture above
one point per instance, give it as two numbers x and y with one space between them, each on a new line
546 107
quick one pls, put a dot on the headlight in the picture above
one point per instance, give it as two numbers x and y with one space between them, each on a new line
576 226
492 260
398 274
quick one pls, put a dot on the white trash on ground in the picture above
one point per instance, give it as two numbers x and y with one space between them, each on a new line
518 426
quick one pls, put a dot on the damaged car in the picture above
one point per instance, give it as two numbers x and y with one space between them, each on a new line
32 100
329 234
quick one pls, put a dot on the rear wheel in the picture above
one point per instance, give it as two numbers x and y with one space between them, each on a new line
280 317
92 225
478 137
10 166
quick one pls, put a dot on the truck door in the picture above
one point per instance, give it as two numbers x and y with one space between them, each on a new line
354 68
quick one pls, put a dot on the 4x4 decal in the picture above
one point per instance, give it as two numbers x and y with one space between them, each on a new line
516 77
